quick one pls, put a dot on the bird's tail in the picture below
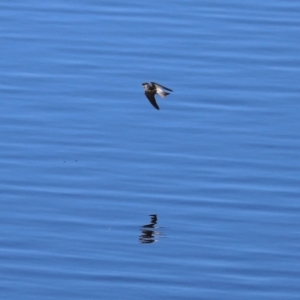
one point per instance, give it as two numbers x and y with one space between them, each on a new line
164 94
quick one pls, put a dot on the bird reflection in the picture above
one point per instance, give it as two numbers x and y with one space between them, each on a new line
149 231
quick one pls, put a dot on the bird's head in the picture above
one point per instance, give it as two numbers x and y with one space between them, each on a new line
145 85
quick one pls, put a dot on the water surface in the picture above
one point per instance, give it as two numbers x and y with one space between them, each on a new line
85 159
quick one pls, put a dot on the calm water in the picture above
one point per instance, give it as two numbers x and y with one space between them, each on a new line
85 159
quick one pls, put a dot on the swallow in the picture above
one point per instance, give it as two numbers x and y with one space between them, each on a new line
153 88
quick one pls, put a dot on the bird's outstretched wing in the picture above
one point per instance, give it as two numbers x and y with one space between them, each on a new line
151 98
158 85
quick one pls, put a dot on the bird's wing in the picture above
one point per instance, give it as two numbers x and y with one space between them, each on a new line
151 98
161 86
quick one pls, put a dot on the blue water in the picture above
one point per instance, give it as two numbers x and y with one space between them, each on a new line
85 159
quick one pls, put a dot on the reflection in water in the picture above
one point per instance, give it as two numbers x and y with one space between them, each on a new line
150 231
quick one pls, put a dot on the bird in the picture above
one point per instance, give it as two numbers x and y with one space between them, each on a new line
153 88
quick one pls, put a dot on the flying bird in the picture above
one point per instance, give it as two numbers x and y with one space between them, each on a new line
153 88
